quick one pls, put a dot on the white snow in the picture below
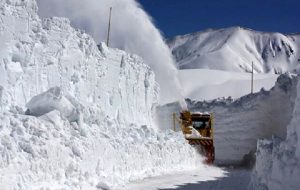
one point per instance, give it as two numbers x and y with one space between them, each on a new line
204 178
271 116
132 30
90 122
93 122
51 100
235 48
195 133
238 124
206 84
53 153
278 159
203 175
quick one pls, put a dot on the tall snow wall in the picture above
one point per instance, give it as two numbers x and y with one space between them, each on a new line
38 55
132 30
238 124
112 142
278 159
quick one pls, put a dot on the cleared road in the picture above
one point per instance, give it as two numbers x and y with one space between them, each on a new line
207 179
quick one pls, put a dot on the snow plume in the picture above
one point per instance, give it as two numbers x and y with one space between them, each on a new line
132 30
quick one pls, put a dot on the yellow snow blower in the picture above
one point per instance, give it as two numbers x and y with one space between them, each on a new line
197 129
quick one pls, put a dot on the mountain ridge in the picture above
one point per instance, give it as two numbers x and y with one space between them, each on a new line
271 52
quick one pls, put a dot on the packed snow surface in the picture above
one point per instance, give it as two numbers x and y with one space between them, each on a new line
74 115
203 174
235 48
207 179
206 84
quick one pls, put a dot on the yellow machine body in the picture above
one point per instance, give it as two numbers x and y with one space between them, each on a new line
197 129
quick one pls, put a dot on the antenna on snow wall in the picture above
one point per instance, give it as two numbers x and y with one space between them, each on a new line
108 30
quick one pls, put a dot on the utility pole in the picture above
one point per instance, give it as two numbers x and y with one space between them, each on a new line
108 30
28 22
174 121
252 73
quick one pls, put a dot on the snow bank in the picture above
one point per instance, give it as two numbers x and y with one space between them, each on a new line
62 76
239 124
50 53
50 152
278 160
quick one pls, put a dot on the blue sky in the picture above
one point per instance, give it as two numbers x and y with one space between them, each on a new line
174 17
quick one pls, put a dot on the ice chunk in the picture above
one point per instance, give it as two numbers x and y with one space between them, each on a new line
53 99
54 117
14 67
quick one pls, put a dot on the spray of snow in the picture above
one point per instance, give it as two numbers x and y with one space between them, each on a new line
132 30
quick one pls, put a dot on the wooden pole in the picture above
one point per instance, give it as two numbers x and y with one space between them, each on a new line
252 73
174 121
108 30
28 22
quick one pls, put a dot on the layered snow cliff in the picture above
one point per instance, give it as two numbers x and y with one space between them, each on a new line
74 115
235 48
261 129
278 159
238 124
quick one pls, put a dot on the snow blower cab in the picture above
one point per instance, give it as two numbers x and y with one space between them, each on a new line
197 129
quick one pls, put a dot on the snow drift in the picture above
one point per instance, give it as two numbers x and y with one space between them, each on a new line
235 48
132 30
90 122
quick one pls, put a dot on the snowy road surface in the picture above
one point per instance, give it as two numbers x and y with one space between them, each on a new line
209 179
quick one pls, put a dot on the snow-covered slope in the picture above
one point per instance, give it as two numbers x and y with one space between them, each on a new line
235 48
206 84
89 122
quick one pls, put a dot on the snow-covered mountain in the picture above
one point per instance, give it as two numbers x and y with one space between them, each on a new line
235 48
